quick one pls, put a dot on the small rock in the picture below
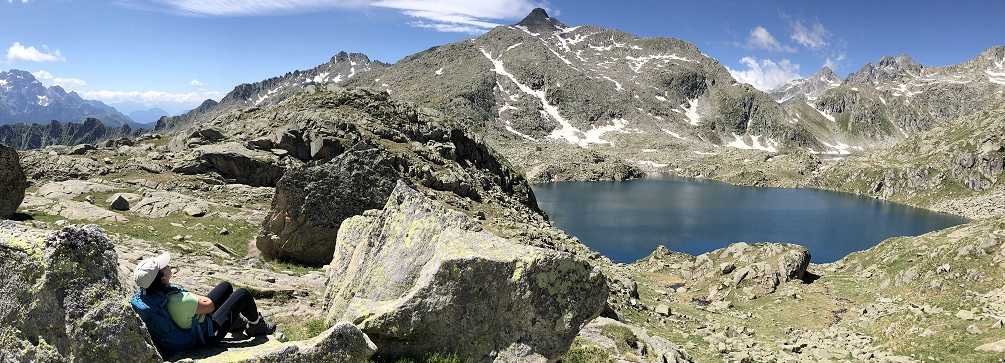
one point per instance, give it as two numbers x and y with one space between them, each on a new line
966 315
89 199
176 225
663 310
194 211
943 268
224 232
281 337
727 267
119 204
178 238
973 329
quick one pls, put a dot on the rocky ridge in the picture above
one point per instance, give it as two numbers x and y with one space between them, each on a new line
36 136
808 89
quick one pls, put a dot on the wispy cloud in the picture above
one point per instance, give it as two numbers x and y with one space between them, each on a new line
42 75
766 75
761 38
462 16
814 38
151 97
69 83
18 52
196 83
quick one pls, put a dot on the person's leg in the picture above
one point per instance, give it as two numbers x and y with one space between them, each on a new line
220 294
240 302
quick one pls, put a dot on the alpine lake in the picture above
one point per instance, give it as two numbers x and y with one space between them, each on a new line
627 220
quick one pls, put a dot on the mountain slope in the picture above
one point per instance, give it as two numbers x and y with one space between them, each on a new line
23 99
881 105
36 136
955 167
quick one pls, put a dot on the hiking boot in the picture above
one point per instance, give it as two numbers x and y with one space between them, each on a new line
260 328
239 324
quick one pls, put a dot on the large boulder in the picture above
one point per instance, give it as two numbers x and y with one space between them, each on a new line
417 278
312 201
12 181
61 300
233 161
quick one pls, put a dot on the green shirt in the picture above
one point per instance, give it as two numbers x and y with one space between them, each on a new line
181 306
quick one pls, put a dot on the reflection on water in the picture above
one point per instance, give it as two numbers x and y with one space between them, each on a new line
625 221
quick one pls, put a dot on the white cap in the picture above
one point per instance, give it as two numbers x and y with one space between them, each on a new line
146 270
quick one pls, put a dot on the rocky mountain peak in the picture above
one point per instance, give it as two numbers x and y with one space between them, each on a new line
886 68
343 57
808 89
539 22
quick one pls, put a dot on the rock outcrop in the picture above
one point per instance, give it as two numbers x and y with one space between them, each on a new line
61 300
316 200
418 278
232 161
357 143
752 270
12 182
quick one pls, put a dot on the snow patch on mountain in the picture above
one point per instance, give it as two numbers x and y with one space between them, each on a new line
997 74
691 112
769 144
823 113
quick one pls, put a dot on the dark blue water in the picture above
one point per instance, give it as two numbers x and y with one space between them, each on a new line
626 221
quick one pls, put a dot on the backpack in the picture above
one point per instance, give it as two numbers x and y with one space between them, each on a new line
168 336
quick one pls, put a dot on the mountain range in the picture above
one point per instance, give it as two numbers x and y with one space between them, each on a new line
23 99
561 99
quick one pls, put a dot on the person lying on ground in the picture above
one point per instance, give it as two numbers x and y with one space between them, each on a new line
226 309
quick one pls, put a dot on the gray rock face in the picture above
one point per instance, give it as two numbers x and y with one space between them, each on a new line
61 300
161 204
312 201
808 88
12 182
417 278
234 161
70 189
887 68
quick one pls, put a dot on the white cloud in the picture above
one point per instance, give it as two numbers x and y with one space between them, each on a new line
766 75
19 52
761 38
151 97
196 83
813 39
42 75
69 83
832 63
463 16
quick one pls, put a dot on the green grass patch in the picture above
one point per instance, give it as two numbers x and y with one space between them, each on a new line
624 338
303 330
428 358
586 353
163 232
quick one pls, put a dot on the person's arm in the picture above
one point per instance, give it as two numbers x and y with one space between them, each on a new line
205 305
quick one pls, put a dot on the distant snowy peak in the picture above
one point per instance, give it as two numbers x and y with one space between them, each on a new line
24 99
538 22
808 89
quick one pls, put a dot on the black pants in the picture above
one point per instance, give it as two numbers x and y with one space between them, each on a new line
228 304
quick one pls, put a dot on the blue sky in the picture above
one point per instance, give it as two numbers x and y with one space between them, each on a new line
180 52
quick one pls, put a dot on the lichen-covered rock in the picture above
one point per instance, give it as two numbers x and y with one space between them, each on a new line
312 201
418 278
342 343
61 300
12 182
